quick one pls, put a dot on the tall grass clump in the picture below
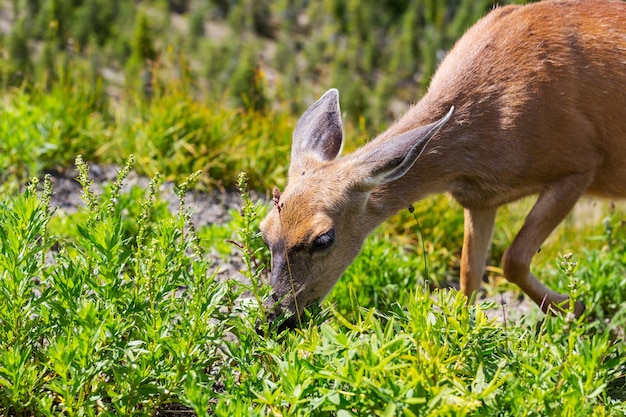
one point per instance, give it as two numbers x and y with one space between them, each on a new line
171 132
43 129
174 133
99 325
602 269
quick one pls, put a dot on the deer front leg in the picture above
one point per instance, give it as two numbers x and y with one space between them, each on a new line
553 204
476 240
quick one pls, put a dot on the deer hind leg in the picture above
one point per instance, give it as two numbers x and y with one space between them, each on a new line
553 204
476 240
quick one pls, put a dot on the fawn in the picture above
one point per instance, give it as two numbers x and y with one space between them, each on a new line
531 100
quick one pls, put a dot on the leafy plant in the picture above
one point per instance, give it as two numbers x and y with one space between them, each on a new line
108 324
117 309
115 323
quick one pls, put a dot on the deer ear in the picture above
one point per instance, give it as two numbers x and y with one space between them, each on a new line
395 157
319 132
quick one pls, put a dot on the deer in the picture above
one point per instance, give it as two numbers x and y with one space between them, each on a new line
531 100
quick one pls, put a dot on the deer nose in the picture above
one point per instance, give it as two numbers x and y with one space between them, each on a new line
274 312
289 324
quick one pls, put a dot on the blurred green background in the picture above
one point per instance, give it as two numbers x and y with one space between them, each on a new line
187 85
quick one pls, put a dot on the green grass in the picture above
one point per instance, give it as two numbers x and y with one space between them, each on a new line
172 134
124 316
104 326
116 309
254 53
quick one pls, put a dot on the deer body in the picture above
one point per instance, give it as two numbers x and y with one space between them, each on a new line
538 94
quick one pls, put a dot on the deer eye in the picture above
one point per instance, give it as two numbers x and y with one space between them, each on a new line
324 241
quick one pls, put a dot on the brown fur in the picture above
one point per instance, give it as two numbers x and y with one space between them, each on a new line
539 96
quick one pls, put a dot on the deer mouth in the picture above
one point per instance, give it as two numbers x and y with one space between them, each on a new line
281 317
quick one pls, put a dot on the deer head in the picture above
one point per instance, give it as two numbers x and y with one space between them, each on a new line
320 221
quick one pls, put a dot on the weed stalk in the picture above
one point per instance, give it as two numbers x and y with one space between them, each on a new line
247 234
421 236
90 199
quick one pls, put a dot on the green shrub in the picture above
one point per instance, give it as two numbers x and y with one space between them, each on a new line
107 326
175 134
45 129
112 322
